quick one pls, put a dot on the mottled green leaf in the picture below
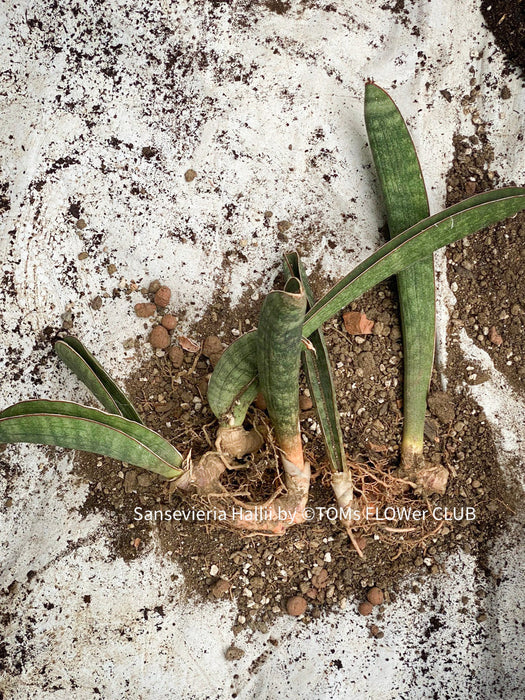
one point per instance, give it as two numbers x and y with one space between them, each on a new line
91 373
279 356
234 383
318 372
67 424
406 203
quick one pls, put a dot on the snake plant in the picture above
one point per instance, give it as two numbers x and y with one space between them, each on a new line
268 359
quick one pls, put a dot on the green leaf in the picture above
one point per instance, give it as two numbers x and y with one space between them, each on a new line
67 424
417 242
234 383
318 372
279 356
406 204
82 363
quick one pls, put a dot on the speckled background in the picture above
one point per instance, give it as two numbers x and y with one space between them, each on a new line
104 107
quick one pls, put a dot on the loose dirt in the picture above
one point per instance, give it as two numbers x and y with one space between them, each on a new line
506 20
315 561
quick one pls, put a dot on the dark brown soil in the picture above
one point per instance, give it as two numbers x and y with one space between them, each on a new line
486 270
506 20
316 560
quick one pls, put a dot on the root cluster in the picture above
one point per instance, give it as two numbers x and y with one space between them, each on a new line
382 492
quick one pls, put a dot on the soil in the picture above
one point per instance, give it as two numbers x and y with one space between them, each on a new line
506 20
485 270
316 561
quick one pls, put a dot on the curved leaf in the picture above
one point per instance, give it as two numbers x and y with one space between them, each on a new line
91 373
234 384
67 424
417 242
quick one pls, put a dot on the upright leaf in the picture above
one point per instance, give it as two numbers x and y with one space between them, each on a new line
406 204
319 376
279 360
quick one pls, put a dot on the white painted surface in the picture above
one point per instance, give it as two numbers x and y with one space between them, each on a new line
299 73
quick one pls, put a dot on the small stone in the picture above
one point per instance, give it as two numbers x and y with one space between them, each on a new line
81 224
162 296
83 255
130 481
305 403
159 337
169 322
296 606
212 346
144 310
145 479
154 287
214 570
283 226
149 152
190 175
111 268
357 323
470 188
176 356
96 303
442 406
233 653
366 362
375 596
221 588
320 579
365 608
494 336
379 328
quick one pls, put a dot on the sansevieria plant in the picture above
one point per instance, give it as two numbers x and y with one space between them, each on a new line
268 359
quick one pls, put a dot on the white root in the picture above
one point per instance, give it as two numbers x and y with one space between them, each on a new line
343 488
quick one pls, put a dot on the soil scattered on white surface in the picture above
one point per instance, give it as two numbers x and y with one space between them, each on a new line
314 565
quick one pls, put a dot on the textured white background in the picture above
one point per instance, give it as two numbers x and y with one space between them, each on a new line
267 108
